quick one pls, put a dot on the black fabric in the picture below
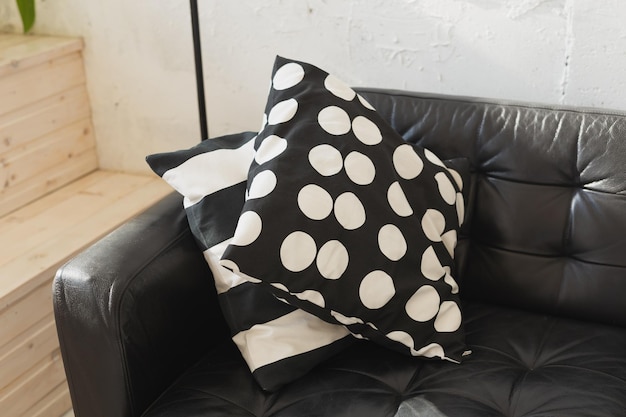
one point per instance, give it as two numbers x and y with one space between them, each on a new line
371 244
279 342
523 365
214 218
162 162
252 297
461 166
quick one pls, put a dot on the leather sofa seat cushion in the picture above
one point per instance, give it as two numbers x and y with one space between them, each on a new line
523 364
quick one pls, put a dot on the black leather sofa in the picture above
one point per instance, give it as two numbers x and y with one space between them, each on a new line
541 267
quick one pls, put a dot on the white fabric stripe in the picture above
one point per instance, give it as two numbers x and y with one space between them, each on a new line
225 279
292 334
227 167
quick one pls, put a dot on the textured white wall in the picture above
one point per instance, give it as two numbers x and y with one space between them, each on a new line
140 68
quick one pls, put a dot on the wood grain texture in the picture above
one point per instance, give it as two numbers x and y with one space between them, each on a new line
46 134
18 52
54 202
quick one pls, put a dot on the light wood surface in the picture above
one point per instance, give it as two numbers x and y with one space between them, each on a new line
39 238
46 135
18 52
42 117
54 202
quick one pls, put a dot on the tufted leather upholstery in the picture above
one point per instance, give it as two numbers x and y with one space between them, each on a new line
522 365
548 220
541 265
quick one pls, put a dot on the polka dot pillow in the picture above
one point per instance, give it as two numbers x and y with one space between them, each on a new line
212 178
345 220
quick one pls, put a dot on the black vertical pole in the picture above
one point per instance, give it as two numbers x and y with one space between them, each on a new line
197 53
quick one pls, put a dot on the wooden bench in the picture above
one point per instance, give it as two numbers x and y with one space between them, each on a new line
54 201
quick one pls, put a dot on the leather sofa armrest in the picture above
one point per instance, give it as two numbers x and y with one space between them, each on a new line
133 311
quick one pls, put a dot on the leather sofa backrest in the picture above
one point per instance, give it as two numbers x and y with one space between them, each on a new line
547 217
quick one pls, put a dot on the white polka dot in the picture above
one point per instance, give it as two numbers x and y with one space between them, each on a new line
248 229
332 259
280 286
449 317
431 267
334 120
326 160
298 251
433 158
347 321
430 351
449 241
433 224
315 202
460 208
270 148
457 178
366 131
376 290
288 76
349 211
424 304
339 88
312 296
262 184
448 279
359 168
446 189
282 112
407 162
398 201
391 242
401 337
365 102
252 279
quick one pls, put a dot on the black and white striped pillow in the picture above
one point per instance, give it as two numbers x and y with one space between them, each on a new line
278 341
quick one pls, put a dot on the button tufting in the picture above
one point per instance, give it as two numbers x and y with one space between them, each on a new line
522 365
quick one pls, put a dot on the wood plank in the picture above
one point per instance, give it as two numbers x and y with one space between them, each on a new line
10 39
34 169
18 217
19 354
18 315
38 157
47 115
29 388
36 83
33 50
55 404
24 238
21 275
34 188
